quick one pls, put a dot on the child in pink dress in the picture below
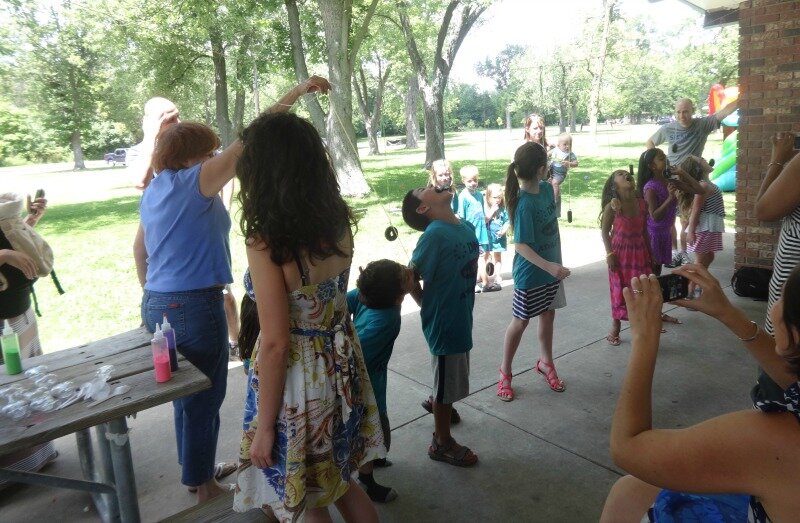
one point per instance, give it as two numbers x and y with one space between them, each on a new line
622 218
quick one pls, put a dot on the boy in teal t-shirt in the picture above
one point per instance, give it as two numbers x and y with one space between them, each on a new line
446 259
375 308
471 210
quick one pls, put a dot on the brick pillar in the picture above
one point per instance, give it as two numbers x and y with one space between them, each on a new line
769 81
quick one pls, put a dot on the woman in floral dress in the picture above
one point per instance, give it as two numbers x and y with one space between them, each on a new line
310 416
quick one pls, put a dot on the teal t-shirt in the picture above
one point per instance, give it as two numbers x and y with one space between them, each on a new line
470 209
377 329
536 225
446 258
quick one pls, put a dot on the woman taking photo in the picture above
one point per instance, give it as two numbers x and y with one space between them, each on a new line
753 454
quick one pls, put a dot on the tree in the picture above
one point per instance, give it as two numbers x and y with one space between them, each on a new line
432 74
596 62
500 70
372 115
67 64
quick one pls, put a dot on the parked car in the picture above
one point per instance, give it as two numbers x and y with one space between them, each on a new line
117 157
665 119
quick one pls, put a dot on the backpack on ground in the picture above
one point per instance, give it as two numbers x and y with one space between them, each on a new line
751 282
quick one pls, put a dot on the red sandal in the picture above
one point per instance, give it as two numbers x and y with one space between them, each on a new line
504 390
556 384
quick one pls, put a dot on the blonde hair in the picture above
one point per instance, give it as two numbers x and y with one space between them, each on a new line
566 137
438 165
468 171
692 165
492 190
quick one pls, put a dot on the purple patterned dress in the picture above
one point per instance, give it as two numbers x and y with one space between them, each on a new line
660 231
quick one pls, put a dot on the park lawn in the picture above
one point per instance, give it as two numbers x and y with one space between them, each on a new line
93 216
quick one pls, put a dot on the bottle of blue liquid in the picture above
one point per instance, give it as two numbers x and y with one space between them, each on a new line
169 334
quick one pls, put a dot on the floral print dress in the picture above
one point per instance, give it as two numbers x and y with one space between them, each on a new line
328 425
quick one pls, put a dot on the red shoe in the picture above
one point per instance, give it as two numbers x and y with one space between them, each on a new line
553 381
504 390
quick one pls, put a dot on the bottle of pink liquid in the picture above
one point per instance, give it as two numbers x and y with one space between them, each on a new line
160 356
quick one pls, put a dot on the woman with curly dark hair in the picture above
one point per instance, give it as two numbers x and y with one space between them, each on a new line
310 416
183 261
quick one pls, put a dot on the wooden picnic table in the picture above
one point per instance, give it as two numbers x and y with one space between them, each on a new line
108 471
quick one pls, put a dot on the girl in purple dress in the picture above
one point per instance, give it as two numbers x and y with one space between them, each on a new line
660 194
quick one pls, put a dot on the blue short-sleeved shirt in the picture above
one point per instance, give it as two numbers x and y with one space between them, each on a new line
685 141
536 225
446 258
470 209
377 329
185 234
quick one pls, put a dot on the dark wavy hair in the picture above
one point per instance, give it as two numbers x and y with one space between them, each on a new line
380 284
645 172
528 159
609 193
181 143
791 316
249 327
289 193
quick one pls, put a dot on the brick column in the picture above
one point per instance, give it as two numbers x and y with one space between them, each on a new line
769 81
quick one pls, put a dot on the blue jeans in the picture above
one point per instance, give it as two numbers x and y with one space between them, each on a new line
201 335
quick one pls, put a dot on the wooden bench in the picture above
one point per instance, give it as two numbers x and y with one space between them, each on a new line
217 510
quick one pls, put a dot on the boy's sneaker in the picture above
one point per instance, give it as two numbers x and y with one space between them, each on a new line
675 261
376 492
493 287
233 351
685 258
478 288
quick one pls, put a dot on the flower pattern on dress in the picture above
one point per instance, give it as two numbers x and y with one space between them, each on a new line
328 424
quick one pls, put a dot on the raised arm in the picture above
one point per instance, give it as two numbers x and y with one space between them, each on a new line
779 193
217 171
727 110
657 211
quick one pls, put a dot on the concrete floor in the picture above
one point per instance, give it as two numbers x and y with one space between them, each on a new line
543 457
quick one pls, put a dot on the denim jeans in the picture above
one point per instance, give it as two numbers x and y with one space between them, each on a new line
201 335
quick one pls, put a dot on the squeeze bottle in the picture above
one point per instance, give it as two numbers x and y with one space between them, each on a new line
169 334
10 344
160 356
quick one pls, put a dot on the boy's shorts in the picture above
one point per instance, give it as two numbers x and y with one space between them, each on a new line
529 303
450 377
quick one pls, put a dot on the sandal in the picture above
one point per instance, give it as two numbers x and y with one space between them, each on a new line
613 340
504 390
670 319
221 470
452 453
556 384
455 418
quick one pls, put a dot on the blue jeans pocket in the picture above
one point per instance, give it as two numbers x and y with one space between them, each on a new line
154 309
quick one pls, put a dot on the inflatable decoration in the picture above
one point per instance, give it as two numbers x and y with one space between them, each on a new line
724 173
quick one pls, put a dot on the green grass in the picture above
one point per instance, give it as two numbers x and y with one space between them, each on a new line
93 216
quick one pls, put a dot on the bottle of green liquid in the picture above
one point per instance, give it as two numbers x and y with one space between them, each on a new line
10 345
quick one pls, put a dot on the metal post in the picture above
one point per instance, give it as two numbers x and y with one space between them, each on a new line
117 435
105 473
107 506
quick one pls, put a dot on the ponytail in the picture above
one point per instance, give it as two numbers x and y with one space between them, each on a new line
512 191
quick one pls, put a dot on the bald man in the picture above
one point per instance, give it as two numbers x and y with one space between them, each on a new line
159 113
687 135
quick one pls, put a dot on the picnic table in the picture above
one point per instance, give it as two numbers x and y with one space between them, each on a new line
106 463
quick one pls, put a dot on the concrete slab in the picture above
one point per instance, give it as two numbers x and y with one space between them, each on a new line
544 456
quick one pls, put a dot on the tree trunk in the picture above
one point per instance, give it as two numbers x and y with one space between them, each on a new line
318 116
412 124
573 110
242 79
508 118
432 101
220 87
598 64
336 17
77 152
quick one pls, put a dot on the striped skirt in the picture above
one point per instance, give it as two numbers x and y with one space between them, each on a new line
529 303
706 241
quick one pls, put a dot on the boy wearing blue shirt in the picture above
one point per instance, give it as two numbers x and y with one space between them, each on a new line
446 259
375 308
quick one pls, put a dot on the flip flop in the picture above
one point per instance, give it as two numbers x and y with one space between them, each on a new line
612 340
221 470
670 319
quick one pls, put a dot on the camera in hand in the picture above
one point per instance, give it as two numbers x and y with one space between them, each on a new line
39 194
673 287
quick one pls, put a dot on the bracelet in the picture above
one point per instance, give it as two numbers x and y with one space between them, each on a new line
610 254
770 164
755 334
